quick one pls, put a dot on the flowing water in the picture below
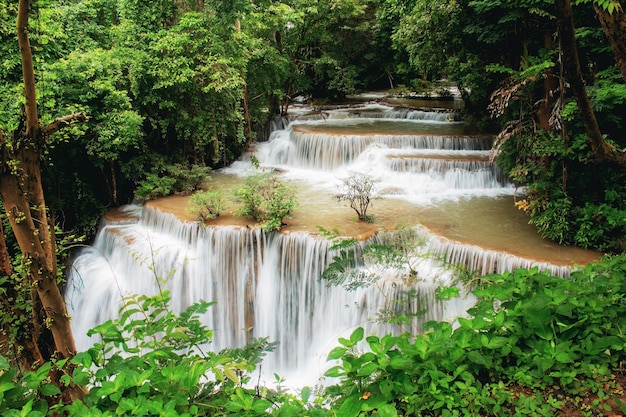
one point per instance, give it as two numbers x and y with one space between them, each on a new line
433 174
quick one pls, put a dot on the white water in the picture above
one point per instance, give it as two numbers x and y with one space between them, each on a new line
269 286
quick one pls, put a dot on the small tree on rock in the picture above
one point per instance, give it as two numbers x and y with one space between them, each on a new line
358 189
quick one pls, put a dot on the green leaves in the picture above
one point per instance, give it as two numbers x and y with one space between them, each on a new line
527 329
154 362
266 199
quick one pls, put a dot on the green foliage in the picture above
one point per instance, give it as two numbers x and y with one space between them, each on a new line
602 227
608 5
152 362
357 265
358 190
24 395
553 219
266 199
585 210
171 179
206 204
531 343
155 186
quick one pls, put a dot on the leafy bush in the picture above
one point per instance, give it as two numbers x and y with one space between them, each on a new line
206 204
267 199
358 190
553 220
172 179
602 227
155 186
532 343
152 362
25 395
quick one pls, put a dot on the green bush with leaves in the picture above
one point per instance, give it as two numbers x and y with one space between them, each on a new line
206 204
266 199
172 179
24 395
152 362
532 343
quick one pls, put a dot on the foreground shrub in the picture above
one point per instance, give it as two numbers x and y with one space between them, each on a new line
532 344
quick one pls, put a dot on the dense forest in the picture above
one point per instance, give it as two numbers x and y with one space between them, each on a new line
109 101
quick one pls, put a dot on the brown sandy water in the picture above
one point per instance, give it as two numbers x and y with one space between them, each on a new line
486 222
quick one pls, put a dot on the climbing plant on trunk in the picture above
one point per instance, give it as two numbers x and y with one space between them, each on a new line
25 207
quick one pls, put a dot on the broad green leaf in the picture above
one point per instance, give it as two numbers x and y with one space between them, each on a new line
357 335
336 353
351 407
49 390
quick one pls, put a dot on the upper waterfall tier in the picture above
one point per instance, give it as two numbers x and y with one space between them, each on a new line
412 154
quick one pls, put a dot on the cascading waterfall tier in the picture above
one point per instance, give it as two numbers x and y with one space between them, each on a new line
263 286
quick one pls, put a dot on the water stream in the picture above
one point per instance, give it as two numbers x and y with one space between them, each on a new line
432 173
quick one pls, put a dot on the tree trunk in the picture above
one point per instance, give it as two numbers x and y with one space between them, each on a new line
113 183
247 128
600 149
550 88
614 26
23 198
20 346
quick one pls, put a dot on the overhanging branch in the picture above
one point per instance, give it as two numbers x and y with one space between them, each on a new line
61 122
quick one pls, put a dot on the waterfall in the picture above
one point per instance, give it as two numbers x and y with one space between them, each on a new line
264 286
269 285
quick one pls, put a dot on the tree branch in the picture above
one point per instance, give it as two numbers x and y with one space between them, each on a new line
28 72
61 122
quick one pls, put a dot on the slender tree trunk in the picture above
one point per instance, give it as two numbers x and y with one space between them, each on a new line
601 150
247 129
21 346
113 183
23 198
550 88
614 26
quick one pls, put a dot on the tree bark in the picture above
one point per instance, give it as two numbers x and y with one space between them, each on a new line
614 27
30 356
23 198
600 149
